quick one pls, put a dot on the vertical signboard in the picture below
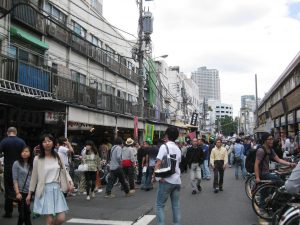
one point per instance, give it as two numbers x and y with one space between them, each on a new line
136 128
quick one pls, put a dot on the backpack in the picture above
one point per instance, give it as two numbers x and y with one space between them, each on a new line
250 160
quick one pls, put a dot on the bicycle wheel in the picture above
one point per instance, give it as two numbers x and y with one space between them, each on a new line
291 218
249 185
261 200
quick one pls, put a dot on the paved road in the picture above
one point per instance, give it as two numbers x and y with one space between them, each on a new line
230 207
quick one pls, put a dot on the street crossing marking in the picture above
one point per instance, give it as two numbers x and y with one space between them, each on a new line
143 221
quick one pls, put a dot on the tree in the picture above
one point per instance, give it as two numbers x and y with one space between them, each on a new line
227 125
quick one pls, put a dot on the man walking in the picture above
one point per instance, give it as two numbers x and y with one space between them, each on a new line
218 161
116 170
205 166
169 186
11 146
195 157
238 152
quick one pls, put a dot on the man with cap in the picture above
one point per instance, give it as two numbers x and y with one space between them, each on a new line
263 155
128 162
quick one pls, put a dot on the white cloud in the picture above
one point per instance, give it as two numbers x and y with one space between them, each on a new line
239 38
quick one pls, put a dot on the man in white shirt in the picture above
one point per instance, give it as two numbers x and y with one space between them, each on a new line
64 150
169 186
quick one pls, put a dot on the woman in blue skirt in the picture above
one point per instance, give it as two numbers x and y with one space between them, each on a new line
48 174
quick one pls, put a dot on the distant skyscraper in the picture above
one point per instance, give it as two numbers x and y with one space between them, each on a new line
208 81
248 101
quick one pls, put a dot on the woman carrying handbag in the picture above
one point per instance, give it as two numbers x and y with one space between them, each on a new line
21 171
49 180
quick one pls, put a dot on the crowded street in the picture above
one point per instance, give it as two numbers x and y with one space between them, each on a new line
230 207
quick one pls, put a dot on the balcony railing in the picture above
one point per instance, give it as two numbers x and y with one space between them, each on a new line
5 5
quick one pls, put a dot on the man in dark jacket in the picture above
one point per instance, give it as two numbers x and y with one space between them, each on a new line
11 146
195 158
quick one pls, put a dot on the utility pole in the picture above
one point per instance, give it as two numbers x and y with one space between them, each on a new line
141 60
256 101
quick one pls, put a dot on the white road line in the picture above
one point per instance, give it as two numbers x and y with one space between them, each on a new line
145 220
99 222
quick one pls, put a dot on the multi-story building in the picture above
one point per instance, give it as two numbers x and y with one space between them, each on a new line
65 69
248 101
208 81
247 114
217 110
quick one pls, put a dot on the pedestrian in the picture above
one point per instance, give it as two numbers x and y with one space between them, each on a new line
21 170
116 170
128 161
204 165
151 153
92 160
11 146
238 150
139 156
169 186
183 164
195 158
218 162
65 149
48 177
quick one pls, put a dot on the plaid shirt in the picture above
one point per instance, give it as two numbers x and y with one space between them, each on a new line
93 162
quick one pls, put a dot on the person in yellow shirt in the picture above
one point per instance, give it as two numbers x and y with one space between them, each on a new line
218 161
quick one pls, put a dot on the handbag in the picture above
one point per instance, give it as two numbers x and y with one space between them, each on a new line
63 178
82 167
168 165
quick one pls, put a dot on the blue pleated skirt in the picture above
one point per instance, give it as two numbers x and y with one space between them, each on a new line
51 202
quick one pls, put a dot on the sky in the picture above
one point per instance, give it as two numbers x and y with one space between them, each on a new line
239 38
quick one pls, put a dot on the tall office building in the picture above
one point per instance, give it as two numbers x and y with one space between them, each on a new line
208 81
248 101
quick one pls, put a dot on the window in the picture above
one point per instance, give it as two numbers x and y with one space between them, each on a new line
109 89
78 29
55 13
28 57
97 6
96 41
121 94
78 77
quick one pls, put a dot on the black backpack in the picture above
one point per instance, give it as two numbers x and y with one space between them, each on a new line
250 159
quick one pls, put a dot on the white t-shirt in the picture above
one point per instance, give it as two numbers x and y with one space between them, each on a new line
63 152
173 149
51 170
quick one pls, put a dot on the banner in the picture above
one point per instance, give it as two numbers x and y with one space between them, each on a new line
149 132
136 128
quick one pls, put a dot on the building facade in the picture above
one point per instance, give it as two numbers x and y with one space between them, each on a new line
208 81
65 70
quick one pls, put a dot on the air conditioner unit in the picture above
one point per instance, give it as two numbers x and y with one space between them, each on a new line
40 23
51 29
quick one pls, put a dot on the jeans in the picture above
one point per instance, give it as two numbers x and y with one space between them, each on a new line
164 191
238 163
244 172
205 169
195 175
117 173
147 178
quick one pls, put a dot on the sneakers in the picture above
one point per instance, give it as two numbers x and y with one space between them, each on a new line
216 190
93 194
109 196
132 191
100 190
194 192
221 188
199 187
88 198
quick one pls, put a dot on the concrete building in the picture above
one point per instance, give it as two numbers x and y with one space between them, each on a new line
248 101
65 70
247 114
208 81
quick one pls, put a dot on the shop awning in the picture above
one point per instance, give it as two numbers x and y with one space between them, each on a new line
28 37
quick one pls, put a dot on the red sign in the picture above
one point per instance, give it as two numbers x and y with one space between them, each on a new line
136 128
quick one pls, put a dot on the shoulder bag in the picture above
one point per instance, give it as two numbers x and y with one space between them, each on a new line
168 165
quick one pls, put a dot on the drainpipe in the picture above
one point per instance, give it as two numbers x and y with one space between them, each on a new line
66 121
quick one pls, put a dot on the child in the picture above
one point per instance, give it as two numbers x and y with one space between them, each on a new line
21 170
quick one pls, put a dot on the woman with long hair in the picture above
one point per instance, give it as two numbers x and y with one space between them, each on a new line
21 171
48 176
92 159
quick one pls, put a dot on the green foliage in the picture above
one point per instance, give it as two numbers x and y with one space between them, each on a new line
227 125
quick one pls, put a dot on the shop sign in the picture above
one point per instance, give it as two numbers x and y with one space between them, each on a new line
277 122
79 126
291 118
194 119
52 117
136 128
282 121
298 115
149 132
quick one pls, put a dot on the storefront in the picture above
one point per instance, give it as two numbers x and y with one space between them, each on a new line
291 120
